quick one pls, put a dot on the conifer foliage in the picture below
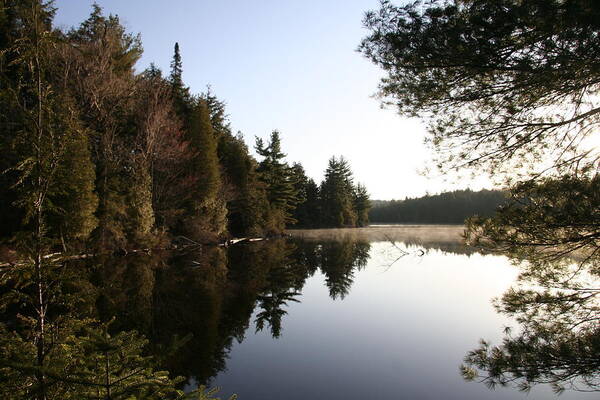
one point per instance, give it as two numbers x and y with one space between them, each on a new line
337 202
279 180
98 158
98 155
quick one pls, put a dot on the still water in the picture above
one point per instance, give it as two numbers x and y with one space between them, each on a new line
377 313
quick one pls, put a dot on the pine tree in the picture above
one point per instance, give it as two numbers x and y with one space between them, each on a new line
176 68
104 92
362 204
42 131
279 180
248 206
207 207
74 202
337 194
184 103
307 211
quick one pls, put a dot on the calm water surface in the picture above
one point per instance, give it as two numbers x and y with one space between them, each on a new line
377 313
386 312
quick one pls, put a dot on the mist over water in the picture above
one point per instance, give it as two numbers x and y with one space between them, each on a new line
378 312
427 237
386 312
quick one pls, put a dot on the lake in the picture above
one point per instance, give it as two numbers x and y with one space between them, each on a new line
379 312
371 313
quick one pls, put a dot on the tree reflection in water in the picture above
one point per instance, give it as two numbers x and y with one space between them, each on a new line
182 313
89 349
176 312
558 342
336 260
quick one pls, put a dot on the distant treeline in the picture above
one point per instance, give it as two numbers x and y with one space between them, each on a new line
97 154
445 208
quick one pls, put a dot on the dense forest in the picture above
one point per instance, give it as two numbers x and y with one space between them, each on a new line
99 159
98 155
444 208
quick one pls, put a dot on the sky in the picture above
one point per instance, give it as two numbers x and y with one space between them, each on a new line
291 66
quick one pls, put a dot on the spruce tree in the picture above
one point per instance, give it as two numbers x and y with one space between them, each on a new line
307 211
248 206
279 179
104 91
362 205
176 68
74 202
208 206
337 194
183 100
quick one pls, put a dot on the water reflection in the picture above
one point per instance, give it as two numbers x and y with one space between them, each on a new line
194 307
446 238
556 304
214 295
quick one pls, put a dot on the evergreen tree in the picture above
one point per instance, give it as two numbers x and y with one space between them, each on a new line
140 214
74 202
11 216
218 115
44 126
495 90
307 211
176 68
182 98
362 204
444 208
279 180
312 205
208 206
104 91
248 206
337 195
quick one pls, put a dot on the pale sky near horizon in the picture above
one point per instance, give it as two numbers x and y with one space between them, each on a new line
291 66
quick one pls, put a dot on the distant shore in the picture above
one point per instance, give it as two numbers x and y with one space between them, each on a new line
421 233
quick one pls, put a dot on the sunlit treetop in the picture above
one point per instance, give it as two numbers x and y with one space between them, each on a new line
501 83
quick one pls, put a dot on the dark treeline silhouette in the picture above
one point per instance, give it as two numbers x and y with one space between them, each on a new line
337 202
98 158
517 114
300 202
98 155
207 298
445 208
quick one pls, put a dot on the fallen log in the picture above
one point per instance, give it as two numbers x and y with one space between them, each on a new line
59 257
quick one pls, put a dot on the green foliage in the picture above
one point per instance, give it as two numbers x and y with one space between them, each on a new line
140 214
501 83
208 207
337 202
103 55
182 97
204 143
279 180
339 261
248 206
362 205
550 228
511 86
556 304
444 208
121 160
551 218
307 211
337 192
88 363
